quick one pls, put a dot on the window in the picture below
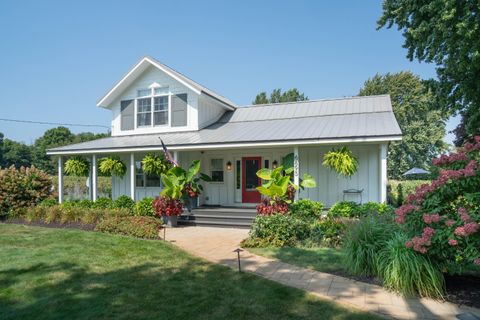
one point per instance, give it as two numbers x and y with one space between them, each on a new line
143 180
144 112
160 111
216 170
153 107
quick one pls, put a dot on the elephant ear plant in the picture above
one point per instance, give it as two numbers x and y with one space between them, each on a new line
279 190
179 186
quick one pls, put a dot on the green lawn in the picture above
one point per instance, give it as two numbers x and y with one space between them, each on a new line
72 274
320 259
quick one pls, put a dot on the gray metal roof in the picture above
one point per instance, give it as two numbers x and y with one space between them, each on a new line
347 118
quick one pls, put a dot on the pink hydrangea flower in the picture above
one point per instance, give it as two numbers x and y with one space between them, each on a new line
463 213
477 261
452 242
450 222
431 218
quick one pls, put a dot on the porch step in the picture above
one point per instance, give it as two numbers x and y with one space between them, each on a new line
219 216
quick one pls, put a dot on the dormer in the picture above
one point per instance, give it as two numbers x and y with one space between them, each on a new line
154 98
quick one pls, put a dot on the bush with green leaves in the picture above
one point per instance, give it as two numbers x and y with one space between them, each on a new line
362 242
327 231
408 272
103 203
125 202
400 189
144 207
372 208
279 230
135 226
49 202
343 209
21 188
306 209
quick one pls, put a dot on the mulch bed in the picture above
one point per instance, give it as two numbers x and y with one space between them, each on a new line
67 225
463 290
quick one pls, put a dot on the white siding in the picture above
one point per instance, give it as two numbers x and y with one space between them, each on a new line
149 76
330 186
209 111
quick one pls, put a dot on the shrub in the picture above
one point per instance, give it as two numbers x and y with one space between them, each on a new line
279 230
306 209
269 207
408 272
84 204
442 218
328 231
124 202
398 189
21 188
372 208
36 213
362 242
145 207
140 227
93 215
49 202
345 209
103 203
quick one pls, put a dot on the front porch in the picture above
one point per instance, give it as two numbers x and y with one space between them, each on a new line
234 180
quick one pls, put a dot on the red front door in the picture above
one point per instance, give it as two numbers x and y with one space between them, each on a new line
250 181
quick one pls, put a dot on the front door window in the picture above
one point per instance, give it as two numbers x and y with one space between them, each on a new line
250 180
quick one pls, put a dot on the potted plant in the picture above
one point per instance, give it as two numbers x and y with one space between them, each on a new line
181 187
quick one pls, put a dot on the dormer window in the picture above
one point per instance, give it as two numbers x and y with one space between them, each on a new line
152 106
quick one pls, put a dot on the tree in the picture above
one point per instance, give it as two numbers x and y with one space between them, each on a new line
57 137
447 33
16 153
1 150
277 96
422 124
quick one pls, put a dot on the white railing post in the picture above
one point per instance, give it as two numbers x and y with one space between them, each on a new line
132 176
60 179
93 184
383 172
296 170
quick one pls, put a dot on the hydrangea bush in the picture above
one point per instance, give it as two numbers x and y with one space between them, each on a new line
443 217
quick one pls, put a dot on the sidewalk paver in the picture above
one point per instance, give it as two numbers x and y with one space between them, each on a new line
217 245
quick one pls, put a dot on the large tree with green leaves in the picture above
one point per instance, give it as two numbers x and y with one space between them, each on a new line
16 153
447 33
422 124
277 96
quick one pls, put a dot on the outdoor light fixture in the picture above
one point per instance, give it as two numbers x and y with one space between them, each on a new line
229 166
274 164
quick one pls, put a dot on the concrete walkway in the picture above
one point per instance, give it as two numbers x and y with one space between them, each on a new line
217 245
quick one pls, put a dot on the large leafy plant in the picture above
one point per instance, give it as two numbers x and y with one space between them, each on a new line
77 166
278 181
112 166
342 161
180 183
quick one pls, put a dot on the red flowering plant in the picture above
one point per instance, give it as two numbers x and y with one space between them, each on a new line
279 190
443 216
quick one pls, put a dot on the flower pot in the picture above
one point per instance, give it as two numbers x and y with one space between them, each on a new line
191 204
170 221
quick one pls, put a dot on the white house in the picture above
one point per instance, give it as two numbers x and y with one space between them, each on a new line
153 101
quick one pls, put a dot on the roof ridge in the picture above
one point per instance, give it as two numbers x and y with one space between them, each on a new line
314 100
302 117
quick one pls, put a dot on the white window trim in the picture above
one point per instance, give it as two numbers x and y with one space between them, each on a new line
223 168
152 97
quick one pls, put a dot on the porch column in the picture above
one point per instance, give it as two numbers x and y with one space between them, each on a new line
93 182
175 156
383 172
60 179
296 170
132 176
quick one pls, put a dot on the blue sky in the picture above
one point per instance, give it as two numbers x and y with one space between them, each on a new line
59 57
